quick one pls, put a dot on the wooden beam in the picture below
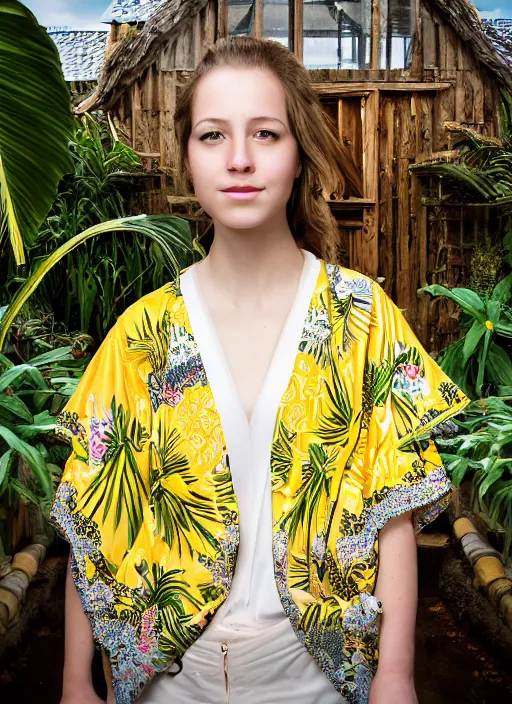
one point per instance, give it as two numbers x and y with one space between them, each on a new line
370 108
181 200
383 86
222 24
351 203
211 23
258 19
136 112
375 46
148 155
298 29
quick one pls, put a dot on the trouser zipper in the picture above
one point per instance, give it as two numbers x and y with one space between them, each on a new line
224 649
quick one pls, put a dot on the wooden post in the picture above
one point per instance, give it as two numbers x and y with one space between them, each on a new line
369 246
211 23
298 29
222 25
375 46
136 112
258 19
387 225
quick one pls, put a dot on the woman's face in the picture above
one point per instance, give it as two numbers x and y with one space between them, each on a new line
241 137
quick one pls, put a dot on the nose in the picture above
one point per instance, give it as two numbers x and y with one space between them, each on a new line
240 158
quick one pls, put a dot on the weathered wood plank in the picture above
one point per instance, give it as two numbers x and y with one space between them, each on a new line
368 255
428 40
222 18
136 113
211 24
258 19
376 34
298 20
386 244
402 150
383 86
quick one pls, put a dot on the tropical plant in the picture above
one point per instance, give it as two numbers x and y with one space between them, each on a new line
35 125
482 451
171 233
480 172
480 358
31 395
92 286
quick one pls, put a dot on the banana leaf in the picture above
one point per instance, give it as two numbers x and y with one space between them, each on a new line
35 125
170 232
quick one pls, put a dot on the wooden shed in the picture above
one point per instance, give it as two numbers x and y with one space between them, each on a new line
389 72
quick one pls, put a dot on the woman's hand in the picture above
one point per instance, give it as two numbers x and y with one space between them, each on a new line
392 688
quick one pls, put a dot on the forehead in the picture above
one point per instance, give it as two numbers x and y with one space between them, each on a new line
227 91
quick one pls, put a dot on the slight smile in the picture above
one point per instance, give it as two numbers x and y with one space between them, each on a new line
242 195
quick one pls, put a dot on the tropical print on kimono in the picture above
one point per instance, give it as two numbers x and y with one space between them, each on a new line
147 502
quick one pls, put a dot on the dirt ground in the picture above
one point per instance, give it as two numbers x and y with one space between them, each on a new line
452 666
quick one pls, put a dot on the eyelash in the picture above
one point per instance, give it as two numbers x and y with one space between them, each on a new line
203 138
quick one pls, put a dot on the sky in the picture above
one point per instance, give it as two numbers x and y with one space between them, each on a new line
85 14
78 14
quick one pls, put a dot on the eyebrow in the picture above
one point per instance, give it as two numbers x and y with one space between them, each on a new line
221 121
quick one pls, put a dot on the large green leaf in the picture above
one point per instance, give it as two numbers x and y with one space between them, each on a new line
472 339
17 372
35 125
33 457
468 300
503 290
170 232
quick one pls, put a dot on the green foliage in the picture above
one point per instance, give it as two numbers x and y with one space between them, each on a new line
480 361
35 125
482 451
31 394
92 286
170 233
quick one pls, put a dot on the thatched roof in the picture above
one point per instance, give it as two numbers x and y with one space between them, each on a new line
81 52
121 11
130 57
500 34
463 17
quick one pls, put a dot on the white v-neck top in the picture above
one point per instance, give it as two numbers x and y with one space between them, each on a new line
266 662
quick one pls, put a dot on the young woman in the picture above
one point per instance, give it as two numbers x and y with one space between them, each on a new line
251 452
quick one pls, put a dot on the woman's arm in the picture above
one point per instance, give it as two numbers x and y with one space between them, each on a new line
77 687
397 590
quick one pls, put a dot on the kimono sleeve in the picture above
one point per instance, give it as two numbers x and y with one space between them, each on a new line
98 507
406 395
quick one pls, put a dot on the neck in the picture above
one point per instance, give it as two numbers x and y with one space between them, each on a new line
243 263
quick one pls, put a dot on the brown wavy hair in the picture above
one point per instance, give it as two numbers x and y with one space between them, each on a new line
325 161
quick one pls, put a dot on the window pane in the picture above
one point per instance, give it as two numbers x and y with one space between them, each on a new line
240 17
337 34
398 18
275 20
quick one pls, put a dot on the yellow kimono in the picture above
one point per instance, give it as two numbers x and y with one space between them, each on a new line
147 500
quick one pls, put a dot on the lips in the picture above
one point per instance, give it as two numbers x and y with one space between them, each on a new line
241 189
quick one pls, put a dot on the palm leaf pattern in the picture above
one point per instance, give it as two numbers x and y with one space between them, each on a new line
282 456
154 342
315 485
119 483
166 591
180 511
334 425
327 502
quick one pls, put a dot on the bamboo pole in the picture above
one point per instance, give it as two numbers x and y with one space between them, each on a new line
488 566
14 585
